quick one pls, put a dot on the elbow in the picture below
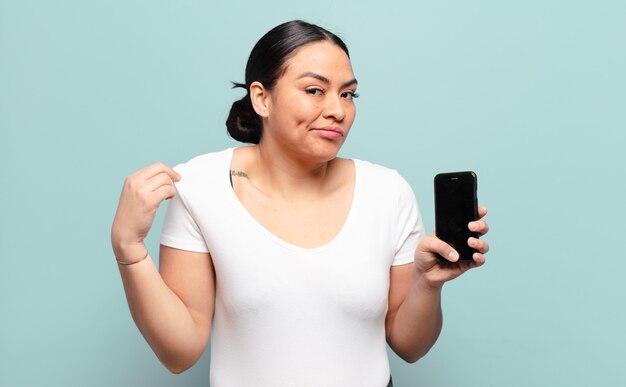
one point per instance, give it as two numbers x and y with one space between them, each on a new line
413 358
410 354
176 370
181 363
183 358
410 360
177 367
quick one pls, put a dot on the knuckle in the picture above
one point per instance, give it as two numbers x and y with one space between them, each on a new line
427 239
428 242
480 246
143 197
131 183
168 179
144 200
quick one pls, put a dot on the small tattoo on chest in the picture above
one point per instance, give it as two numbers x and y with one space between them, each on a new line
238 173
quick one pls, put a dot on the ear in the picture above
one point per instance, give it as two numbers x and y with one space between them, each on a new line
259 97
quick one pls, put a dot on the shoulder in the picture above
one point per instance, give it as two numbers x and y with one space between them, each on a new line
380 176
203 171
384 186
205 162
206 159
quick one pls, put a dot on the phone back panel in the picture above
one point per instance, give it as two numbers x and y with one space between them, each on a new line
456 205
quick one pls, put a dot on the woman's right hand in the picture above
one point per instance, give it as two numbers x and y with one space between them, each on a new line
143 191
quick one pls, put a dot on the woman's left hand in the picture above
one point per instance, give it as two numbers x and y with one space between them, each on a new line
433 273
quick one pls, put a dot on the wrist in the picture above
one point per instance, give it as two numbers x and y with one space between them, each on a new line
129 252
422 285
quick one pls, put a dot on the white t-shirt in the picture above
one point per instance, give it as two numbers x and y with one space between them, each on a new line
291 316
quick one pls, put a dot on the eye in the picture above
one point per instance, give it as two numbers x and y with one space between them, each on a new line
349 95
315 91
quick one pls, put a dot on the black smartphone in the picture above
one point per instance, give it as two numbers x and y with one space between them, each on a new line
456 204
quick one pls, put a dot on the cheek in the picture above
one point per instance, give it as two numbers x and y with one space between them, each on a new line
307 106
350 114
300 110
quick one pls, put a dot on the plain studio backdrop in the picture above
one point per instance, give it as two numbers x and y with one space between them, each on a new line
528 94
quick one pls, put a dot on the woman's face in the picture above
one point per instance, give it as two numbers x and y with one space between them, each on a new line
311 108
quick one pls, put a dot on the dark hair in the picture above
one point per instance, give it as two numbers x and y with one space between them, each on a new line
265 65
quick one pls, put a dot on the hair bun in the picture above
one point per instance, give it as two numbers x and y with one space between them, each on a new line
243 123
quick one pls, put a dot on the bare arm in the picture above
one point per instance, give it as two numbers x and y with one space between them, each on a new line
172 308
414 317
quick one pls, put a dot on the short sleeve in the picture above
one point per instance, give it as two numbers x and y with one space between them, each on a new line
180 230
410 228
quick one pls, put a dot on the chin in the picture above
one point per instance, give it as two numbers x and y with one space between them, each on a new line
327 152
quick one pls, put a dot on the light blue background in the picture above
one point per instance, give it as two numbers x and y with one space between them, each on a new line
529 94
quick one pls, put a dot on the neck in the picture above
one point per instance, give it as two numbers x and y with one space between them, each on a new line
281 174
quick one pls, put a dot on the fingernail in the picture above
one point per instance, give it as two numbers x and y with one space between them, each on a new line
473 226
453 255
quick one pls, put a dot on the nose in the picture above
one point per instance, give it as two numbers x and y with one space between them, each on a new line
334 108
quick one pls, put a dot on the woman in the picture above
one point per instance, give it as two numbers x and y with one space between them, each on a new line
300 265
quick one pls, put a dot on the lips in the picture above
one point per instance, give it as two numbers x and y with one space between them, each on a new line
329 132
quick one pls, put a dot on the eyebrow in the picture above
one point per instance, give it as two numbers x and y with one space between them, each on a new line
326 80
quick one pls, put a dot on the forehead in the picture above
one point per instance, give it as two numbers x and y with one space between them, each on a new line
324 58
